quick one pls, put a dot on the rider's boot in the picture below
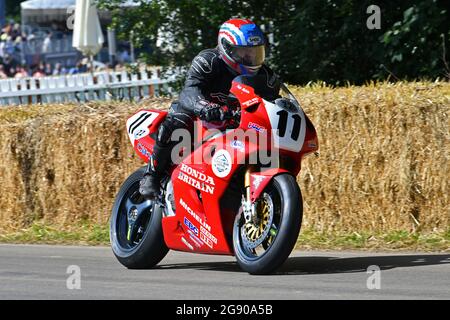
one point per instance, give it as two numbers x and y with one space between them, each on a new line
150 184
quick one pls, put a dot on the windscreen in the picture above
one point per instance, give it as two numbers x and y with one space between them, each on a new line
259 84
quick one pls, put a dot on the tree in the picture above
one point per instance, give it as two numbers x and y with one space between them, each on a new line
414 46
313 39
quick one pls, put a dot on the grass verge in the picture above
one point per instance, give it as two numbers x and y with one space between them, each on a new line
98 234
40 233
395 240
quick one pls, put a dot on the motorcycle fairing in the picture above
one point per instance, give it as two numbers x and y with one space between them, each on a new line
198 195
260 180
140 128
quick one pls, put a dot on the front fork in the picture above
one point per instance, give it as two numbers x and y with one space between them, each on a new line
248 208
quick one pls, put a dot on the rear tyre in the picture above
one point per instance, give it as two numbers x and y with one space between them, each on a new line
135 231
262 247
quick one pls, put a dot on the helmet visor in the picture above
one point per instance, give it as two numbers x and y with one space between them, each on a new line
248 56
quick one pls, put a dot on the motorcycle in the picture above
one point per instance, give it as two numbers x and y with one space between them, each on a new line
223 204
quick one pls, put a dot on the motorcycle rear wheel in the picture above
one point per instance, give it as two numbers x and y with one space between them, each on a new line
283 200
144 247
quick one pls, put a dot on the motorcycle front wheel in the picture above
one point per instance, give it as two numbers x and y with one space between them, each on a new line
135 230
262 245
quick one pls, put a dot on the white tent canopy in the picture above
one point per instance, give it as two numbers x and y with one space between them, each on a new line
57 4
37 11
46 4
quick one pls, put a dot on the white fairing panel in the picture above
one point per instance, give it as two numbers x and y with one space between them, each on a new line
137 125
288 126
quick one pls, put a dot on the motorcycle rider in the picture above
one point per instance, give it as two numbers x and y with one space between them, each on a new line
241 50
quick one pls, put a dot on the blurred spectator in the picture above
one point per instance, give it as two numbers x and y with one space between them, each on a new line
21 72
38 72
119 67
11 72
16 32
59 70
48 69
124 57
46 45
85 63
3 75
31 37
22 48
9 64
2 51
77 69
9 46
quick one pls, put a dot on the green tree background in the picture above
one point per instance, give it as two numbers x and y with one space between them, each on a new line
313 40
12 9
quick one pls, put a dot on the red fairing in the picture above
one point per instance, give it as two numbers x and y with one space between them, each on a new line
141 128
198 191
200 222
245 95
260 180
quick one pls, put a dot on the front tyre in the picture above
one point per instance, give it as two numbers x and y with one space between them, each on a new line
135 231
262 245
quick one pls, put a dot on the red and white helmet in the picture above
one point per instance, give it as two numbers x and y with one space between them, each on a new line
242 45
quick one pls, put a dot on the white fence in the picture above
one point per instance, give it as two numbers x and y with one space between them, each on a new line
82 87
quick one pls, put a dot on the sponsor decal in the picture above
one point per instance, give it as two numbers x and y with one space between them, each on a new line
221 163
143 150
195 215
254 40
257 127
257 181
207 241
195 239
140 133
243 89
248 103
205 234
191 226
207 237
187 243
196 179
237 144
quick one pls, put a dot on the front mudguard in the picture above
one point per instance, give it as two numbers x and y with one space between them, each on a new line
260 180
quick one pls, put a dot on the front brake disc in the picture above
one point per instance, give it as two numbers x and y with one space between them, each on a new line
252 234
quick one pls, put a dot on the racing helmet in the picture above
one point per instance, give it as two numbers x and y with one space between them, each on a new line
242 46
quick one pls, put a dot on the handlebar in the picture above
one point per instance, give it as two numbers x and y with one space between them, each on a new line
228 114
232 114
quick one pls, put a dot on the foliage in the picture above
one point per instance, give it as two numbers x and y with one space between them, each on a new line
312 40
414 44
12 10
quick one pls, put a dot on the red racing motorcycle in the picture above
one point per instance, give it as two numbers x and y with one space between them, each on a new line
234 193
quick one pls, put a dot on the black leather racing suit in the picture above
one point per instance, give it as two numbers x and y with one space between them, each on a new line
209 78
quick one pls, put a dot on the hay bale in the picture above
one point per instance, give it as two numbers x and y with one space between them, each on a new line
384 162
64 166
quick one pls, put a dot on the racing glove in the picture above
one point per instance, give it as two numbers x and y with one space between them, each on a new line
209 111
